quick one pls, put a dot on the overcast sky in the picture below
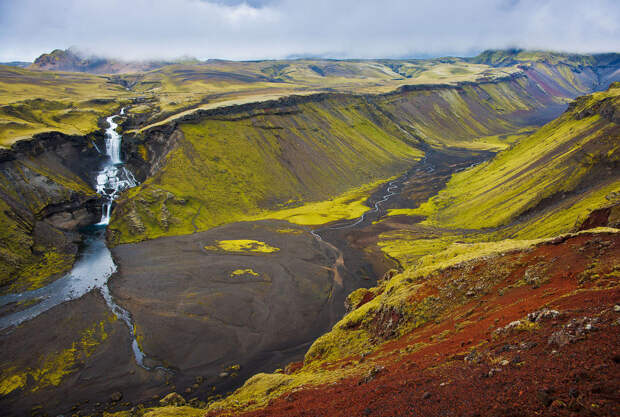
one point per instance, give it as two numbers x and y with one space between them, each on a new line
260 29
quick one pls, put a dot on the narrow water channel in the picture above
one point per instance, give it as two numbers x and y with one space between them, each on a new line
94 265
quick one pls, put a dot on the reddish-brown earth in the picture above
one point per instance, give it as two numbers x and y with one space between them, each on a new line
462 365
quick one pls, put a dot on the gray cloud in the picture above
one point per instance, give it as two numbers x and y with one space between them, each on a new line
255 29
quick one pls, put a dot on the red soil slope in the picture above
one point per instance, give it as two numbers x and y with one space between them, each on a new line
474 362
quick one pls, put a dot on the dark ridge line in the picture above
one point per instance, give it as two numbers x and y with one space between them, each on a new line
295 99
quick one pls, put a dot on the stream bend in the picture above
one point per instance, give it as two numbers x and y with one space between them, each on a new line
94 265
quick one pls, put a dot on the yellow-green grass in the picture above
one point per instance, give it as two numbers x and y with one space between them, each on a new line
555 159
263 387
170 411
503 57
349 205
562 161
254 165
50 369
408 247
39 101
569 215
167 411
499 142
243 245
242 272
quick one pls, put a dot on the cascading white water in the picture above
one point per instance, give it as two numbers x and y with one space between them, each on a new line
95 264
113 178
113 141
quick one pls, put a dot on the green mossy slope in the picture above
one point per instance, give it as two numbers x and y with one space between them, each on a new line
575 155
235 167
546 184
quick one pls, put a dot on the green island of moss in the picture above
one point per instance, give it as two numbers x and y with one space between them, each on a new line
243 245
242 272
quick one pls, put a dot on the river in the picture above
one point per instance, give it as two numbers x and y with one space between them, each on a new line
94 265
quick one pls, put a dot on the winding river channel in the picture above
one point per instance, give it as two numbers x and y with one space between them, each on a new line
95 265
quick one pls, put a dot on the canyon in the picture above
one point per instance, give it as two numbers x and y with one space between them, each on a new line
312 228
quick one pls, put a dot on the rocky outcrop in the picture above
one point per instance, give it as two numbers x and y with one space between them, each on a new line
603 217
46 197
607 107
74 61
145 154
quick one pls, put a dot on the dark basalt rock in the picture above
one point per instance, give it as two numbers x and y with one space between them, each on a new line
43 198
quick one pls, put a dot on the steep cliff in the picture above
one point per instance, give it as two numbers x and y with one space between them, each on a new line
46 195
235 163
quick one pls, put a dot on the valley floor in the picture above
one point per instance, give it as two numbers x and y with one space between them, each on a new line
269 305
514 349
275 258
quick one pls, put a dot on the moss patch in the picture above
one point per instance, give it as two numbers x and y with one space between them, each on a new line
242 272
52 368
243 245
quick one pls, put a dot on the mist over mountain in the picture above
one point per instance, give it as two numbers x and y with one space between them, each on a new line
160 29
74 60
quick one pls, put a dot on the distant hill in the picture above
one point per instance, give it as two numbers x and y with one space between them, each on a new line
606 66
509 57
73 61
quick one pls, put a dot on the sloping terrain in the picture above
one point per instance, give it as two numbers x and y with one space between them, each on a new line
233 167
33 102
171 89
492 326
546 184
316 146
600 69
46 196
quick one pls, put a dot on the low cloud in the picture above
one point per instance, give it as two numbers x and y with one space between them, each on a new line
261 29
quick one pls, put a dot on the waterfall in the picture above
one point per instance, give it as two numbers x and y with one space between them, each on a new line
113 178
113 140
95 264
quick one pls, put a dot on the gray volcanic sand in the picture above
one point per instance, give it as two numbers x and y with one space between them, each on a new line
196 318
192 316
93 377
